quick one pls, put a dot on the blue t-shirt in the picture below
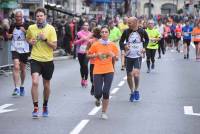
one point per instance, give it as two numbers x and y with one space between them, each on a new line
185 29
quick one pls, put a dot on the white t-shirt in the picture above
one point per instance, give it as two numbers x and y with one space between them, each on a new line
135 45
19 43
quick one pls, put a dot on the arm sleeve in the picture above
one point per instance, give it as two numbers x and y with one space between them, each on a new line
145 39
122 39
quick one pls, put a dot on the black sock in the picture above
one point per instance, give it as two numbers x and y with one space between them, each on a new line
45 103
35 104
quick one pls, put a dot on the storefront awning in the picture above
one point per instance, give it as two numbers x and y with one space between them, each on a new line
9 4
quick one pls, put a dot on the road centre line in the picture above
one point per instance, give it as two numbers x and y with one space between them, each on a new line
79 127
114 91
95 110
121 83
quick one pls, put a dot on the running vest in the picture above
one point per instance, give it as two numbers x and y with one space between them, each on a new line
19 43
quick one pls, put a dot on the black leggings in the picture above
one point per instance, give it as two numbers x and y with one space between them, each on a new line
102 85
161 46
83 61
150 53
91 72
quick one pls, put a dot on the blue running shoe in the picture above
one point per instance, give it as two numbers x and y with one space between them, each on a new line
22 91
35 112
137 96
132 97
16 92
45 112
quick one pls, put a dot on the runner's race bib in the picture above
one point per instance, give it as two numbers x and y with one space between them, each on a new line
186 34
83 48
19 44
197 36
135 49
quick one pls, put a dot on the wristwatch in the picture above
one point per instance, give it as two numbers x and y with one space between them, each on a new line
45 40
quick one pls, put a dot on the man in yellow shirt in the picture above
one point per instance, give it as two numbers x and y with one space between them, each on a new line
42 37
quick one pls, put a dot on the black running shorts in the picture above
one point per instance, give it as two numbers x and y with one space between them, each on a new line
133 63
45 69
23 57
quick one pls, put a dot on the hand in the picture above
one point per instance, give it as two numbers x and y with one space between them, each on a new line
143 51
32 42
126 47
22 29
111 54
42 36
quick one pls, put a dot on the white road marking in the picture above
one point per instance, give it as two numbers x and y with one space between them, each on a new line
114 91
188 110
79 127
193 45
121 83
3 110
94 110
125 78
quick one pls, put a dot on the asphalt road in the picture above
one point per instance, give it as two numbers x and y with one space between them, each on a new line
173 85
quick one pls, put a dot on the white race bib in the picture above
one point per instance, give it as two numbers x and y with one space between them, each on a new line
186 34
135 50
197 36
83 48
19 44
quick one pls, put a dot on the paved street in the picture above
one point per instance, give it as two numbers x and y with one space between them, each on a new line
165 91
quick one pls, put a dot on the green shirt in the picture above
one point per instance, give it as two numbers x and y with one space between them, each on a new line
115 34
153 33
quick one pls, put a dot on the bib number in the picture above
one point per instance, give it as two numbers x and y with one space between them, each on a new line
19 44
83 48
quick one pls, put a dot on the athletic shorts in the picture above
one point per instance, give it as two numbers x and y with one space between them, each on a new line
45 69
23 57
133 63
168 39
196 42
177 39
187 41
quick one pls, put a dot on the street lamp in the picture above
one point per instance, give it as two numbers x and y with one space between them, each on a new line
149 9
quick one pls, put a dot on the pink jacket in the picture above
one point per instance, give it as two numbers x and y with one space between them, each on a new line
82 44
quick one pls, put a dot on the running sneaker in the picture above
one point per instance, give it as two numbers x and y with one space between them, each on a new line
85 83
22 91
45 111
82 83
16 92
97 102
104 116
185 57
35 112
148 71
136 96
132 97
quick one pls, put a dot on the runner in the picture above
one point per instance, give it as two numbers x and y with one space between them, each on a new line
134 40
103 52
20 52
187 30
196 39
81 42
42 37
161 47
178 35
154 37
96 35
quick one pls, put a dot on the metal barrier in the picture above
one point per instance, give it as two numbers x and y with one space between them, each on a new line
5 57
